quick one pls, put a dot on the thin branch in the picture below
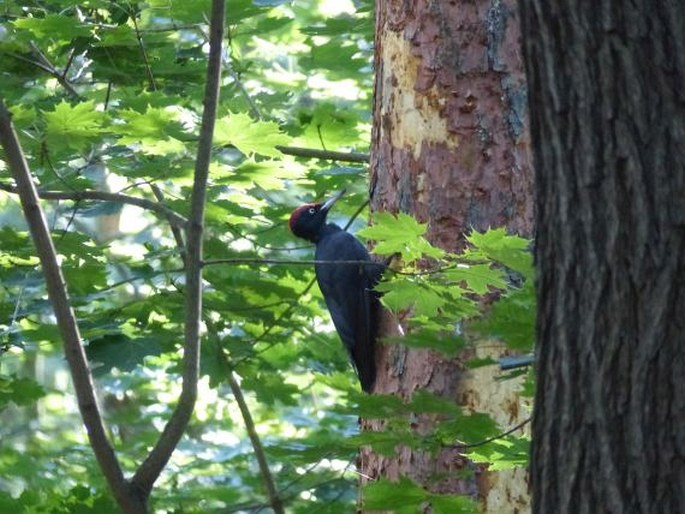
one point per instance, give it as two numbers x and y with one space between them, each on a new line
247 260
306 473
309 262
173 27
169 28
172 216
175 230
275 501
46 65
70 60
513 429
66 320
238 82
356 214
151 468
146 61
37 64
324 154
318 131
245 507
289 262
233 229
108 94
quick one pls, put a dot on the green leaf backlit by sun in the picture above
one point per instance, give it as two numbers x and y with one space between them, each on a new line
249 136
400 233
73 126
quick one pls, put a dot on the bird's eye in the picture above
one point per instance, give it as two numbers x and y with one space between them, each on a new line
312 210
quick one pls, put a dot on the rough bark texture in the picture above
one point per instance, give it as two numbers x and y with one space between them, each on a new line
607 100
450 146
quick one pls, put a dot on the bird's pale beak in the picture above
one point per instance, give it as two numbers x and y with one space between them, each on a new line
329 203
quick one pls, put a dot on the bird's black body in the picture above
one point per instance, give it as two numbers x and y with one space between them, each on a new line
347 288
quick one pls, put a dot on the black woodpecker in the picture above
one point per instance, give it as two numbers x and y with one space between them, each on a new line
347 288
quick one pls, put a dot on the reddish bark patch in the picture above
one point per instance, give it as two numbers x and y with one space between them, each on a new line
449 146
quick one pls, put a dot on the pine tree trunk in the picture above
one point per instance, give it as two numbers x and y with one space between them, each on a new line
607 101
450 146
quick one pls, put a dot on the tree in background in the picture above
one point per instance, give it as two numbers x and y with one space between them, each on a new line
450 147
608 124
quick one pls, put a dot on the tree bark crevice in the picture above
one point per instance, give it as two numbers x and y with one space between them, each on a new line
607 109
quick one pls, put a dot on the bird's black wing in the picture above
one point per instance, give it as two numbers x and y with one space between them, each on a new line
351 301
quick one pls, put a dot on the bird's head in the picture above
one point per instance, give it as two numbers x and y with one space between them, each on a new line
308 220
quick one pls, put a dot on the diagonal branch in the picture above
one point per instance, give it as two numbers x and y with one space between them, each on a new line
66 320
172 216
313 153
238 82
275 501
513 429
151 468
45 64
146 61
175 229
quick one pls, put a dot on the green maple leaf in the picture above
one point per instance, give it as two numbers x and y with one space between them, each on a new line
403 294
478 277
249 136
512 251
20 391
153 130
73 126
55 26
400 233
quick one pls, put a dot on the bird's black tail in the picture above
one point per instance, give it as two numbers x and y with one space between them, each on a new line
364 350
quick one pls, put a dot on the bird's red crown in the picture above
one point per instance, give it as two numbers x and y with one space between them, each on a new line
298 212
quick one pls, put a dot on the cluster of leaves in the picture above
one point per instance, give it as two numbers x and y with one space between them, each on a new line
437 289
448 301
107 96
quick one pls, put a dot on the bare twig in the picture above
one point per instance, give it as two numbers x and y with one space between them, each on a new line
275 500
146 61
45 64
238 82
513 429
324 154
295 262
66 320
356 214
254 241
175 230
286 312
172 216
70 60
151 468
37 64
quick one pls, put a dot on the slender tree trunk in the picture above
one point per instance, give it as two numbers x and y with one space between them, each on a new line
607 97
450 146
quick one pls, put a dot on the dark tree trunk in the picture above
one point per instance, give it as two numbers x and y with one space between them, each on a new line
607 102
450 146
